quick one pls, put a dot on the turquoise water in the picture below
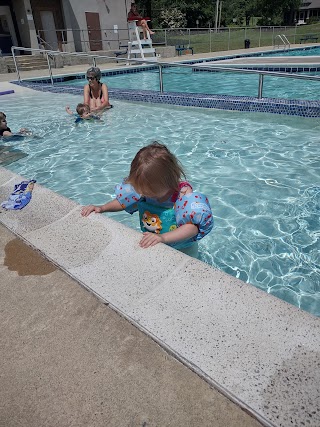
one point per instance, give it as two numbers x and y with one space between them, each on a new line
182 80
261 173
315 51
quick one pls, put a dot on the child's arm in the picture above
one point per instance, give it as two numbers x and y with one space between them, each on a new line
193 216
113 206
68 110
184 232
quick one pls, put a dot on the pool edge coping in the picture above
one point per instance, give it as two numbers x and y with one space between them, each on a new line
21 223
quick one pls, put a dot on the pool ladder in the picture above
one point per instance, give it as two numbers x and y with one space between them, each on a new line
282 40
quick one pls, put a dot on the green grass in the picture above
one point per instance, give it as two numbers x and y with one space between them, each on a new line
204 41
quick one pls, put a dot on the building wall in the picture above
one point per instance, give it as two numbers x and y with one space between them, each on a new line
113 21
70 16
7 30
55 39
25 23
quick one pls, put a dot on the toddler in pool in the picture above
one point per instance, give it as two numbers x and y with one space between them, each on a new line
83 113
170 211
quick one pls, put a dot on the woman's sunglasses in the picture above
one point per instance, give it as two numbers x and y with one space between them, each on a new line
91 78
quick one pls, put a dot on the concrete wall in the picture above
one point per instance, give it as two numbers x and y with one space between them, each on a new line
166 51
112 13
5 11
25 23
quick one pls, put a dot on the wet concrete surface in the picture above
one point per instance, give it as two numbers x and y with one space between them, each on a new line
67 359
8 155
22 259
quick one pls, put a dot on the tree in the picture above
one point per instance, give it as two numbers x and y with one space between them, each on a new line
274 12
146 5
172 18
192 10
240 11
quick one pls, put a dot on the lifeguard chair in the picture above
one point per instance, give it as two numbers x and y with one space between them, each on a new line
136 46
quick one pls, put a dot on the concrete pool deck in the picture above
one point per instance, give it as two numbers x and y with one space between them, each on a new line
257 350
68 359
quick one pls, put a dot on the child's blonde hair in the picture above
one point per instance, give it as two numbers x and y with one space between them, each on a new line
82 108
2 116
155 169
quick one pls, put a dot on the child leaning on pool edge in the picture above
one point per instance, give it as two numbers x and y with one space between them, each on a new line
170 211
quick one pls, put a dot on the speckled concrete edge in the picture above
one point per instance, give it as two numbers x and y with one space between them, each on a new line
259 351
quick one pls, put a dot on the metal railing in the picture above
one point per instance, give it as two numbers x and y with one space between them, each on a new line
283 40
43 43
161 65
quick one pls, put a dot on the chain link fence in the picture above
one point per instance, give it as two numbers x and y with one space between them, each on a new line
201 40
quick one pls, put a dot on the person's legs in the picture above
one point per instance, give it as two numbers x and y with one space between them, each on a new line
145 28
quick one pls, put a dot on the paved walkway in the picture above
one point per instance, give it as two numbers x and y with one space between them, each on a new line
67 359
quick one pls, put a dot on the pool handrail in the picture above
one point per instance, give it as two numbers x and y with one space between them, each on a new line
155 63
284 40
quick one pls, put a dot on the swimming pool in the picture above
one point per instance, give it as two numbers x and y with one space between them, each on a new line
296 51
260 172
217 83
306 51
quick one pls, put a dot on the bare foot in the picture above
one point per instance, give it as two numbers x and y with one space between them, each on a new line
151 33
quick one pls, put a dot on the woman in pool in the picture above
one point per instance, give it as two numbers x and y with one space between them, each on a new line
96 93
170 211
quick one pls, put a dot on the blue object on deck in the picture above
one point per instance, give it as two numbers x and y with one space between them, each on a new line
20 196
6 92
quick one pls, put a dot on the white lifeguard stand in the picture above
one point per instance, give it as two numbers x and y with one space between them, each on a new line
136 46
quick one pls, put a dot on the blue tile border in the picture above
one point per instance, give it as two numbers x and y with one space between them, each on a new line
6 92
264 67
290 107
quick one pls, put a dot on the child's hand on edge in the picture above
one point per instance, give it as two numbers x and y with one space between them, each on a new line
86 210
150 239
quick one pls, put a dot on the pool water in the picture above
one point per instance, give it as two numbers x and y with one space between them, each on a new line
217 83
314 51
261 173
